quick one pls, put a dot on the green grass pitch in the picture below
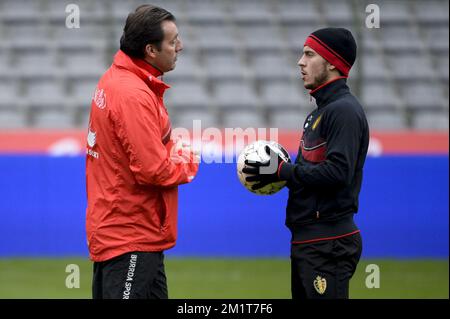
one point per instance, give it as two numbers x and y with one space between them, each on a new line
226 278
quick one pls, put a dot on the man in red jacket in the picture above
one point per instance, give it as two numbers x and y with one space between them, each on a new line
133 168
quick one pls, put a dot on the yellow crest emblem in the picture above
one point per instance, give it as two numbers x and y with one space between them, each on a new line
316 122
320 284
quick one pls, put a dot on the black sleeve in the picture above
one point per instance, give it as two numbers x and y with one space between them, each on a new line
343 131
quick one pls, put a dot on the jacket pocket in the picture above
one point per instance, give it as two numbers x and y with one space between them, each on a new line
170 203
160 215
328 205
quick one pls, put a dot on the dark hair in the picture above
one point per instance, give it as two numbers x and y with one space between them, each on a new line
143 27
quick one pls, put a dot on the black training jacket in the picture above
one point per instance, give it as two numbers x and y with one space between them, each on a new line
325 181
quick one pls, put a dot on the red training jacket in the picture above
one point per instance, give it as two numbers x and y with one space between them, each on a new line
131 176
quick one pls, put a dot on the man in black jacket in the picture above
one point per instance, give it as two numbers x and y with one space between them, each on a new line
325 181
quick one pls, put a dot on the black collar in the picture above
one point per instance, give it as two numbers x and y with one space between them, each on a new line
330 91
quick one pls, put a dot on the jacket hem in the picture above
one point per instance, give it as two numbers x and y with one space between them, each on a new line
323 230
127 249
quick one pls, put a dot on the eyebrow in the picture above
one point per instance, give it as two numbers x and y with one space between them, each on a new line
176 36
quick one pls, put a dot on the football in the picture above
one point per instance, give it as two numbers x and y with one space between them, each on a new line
256 152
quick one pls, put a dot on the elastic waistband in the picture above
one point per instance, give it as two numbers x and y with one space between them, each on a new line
324 230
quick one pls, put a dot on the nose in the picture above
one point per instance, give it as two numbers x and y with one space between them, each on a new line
180 46
301 62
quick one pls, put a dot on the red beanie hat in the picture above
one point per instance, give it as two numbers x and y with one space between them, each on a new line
336 45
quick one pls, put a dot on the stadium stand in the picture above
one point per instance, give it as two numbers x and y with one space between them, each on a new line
239 66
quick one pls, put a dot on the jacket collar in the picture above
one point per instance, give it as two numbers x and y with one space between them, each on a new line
330 91
148 73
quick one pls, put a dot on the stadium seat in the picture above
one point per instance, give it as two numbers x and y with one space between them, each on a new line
214 37
369 41
116 34
373 68
121 9
53 118
354 73
238 55
274 66
12 119
89 34
225 66
251 11
411 67
437 38
83 89
198 11
40 90
4 59
441 63
186 119
31 62
9 92
236 95
188 94
89 62
187 67
399 39
424 96
303 11
288 120
379 96
337 12
260 37
431 121
386 121
394 12
27 35
90 10
83 121
432 12
279 96
243 119
296 34
20 11
176 7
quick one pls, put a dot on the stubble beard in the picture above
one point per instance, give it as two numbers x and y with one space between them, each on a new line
319 79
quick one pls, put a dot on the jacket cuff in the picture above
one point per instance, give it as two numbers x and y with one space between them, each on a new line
285 171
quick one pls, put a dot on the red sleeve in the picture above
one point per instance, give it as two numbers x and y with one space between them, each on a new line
138 129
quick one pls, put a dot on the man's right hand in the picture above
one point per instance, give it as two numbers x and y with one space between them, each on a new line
183 152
